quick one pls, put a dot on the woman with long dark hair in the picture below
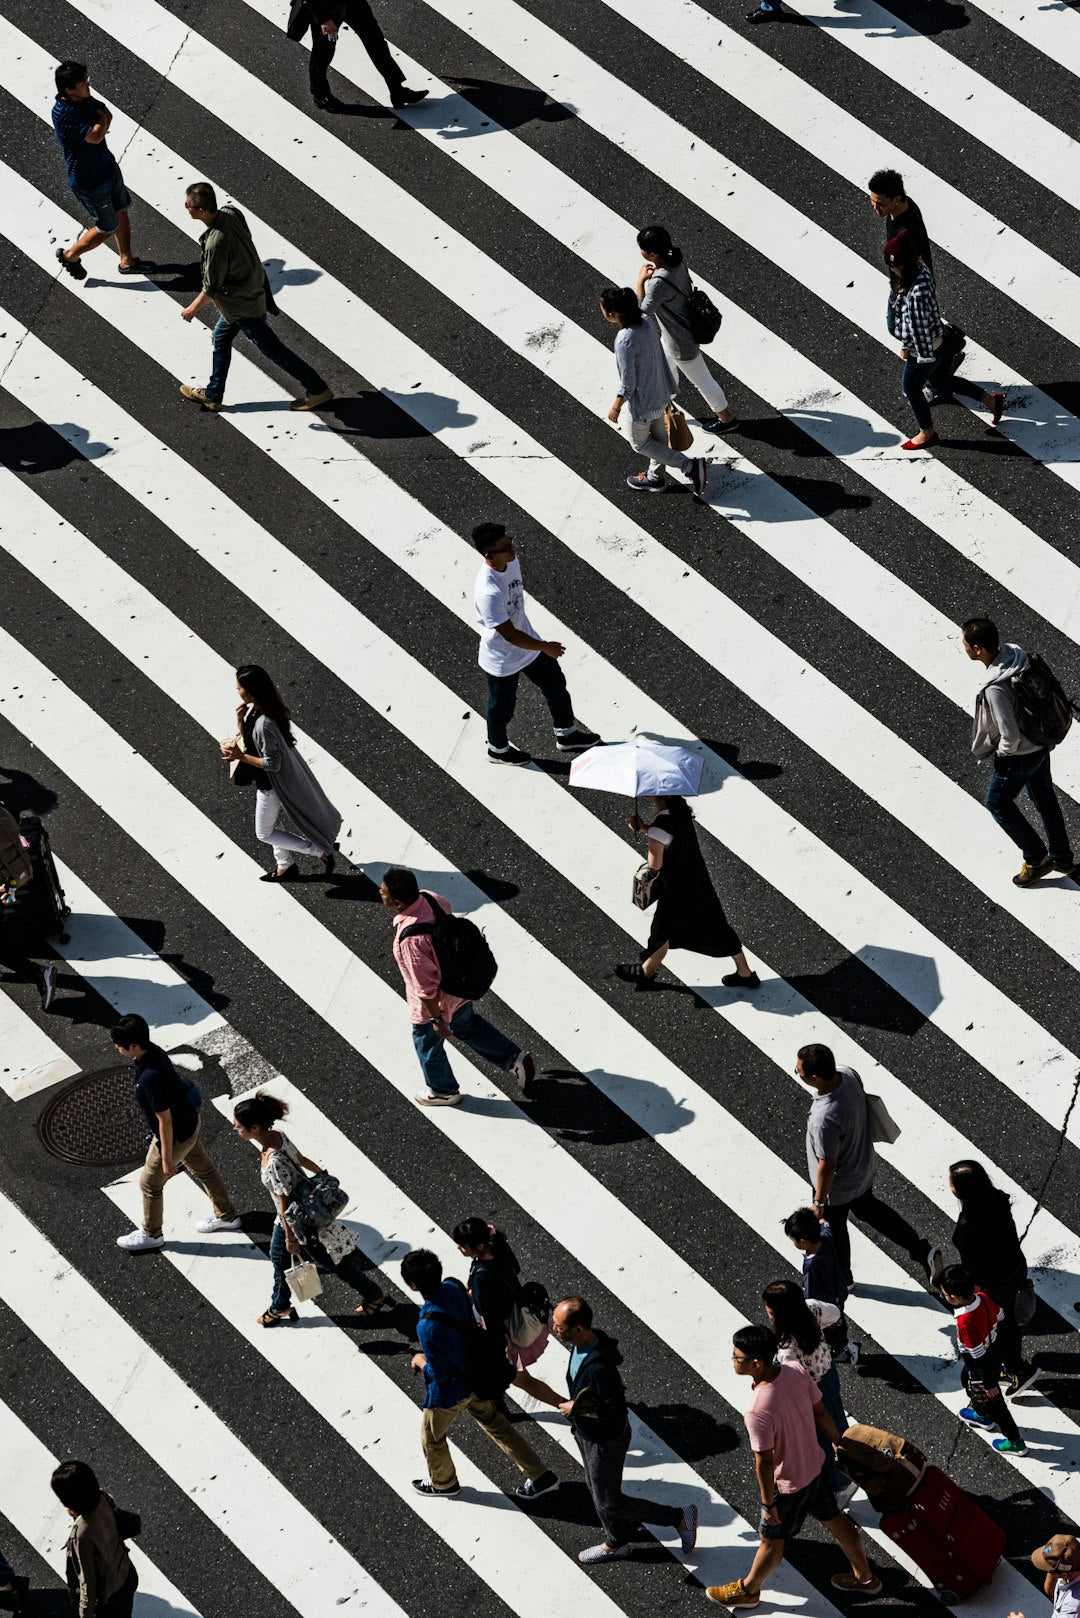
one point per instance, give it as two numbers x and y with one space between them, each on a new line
663 289
918 324
495 1287
799 1323
281 1170
986 1239
284 783
688 913
99 1571
646 388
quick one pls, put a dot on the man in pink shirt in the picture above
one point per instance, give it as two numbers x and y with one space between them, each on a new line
781 1419
436 1015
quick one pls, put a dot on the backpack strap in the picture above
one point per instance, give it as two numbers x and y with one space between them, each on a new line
422 929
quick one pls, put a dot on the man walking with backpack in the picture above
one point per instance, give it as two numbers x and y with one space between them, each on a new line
452 1359
170 1104
1020 714
426 937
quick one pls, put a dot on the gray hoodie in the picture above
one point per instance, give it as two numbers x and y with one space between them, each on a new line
995 729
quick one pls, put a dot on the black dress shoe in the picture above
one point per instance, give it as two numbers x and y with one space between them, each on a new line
406 97
326 103
291 873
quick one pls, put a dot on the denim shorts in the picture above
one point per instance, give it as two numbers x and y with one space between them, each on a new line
104 202
817 1500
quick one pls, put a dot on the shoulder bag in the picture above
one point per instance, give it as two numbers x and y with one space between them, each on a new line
679 435
316 1201
242 774
883 1127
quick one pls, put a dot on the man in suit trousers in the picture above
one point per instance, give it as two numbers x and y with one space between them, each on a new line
324 18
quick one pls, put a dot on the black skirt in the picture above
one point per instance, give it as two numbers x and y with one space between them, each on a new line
688 912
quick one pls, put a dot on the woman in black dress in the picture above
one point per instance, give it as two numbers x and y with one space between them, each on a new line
688 914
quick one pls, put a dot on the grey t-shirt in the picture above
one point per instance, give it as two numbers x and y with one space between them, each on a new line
837 1127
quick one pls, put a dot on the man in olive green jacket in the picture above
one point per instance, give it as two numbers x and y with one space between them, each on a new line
233 278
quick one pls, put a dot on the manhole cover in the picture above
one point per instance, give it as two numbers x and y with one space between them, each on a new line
95 1120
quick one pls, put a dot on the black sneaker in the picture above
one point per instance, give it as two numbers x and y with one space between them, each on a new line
763 14
699 477
422 1486
1064 867
633 972
1018 1382
512 755
533 1488
327 103
735 980
577 741
713 424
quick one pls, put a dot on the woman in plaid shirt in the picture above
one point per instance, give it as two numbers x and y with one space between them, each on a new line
919 327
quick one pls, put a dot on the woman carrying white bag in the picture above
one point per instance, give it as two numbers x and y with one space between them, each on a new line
283 1169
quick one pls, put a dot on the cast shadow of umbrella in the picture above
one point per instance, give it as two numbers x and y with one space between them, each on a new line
891 989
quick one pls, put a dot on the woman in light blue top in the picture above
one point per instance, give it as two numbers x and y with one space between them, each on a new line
646 387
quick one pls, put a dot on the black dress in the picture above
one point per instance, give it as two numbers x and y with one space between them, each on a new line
688 913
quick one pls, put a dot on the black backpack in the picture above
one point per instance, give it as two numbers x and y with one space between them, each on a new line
485 1366
467 967
704 316
1043 712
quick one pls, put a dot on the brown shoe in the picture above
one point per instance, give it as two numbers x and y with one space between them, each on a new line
198 396
313 401
1028 875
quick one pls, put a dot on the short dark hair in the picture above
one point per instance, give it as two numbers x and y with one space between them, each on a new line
957 1280
486 535
886 183
578 1312
76 1487
203 196
982 632
130 1030
756 1342
818 1060
69 74
401 885
803 1226
421 1269
622 301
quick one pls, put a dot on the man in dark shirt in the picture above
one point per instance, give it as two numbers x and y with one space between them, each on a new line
93 174
172 1117
888 201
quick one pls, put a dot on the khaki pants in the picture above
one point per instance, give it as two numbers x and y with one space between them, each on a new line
193 1153
437 1423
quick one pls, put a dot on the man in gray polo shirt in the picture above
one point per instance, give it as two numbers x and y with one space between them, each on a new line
841 1161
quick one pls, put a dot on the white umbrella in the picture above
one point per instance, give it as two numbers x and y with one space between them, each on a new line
639 769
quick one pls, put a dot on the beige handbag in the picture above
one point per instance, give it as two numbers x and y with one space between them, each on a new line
646 888
305 1282
679 435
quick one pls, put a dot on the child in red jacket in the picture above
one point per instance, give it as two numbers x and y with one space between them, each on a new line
977 1320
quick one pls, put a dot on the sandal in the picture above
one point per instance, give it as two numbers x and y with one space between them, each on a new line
372 1308
270 1319
636 974
72 265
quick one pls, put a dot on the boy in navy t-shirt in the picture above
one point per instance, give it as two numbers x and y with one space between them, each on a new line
81 123
823 1277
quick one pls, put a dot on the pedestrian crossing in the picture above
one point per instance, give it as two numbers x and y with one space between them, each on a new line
801 631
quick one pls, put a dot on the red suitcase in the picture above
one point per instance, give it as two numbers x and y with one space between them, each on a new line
946 1534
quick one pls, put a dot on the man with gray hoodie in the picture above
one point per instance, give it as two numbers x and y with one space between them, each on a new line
1019 762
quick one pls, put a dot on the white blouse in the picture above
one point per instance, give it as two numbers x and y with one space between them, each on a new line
816 1363
281 1174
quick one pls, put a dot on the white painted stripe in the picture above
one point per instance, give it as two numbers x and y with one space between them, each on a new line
984 1022
1050 26
29 1060
29 1504
549 1184
118 1368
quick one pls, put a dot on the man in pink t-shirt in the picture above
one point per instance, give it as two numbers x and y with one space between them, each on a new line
782 1418
434 1014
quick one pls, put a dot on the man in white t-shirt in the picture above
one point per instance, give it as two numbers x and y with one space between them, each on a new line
510 646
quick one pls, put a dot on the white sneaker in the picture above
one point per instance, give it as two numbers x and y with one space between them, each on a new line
139 1241
523 1068
431 1100
206 1227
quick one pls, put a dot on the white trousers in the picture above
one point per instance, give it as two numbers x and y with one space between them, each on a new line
268 812
697 372
650 438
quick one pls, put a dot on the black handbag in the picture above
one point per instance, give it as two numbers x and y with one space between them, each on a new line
952 341
646 889
242 774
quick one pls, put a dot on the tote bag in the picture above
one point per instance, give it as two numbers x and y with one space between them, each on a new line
883 1127
305 1282
679 435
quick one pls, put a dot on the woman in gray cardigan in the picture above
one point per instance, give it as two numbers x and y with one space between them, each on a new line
284 783
663 289
646 386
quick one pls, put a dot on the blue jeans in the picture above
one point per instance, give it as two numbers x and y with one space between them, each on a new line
1011 775
351 1269
829 1387
7 1572
474 1031
257 328
937 375
548 677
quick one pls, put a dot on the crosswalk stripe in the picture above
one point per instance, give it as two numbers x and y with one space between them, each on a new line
30 1505
1053 29
240 1496
980 1019
29 1060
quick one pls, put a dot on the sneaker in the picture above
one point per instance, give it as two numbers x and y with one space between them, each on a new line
688 1529
313 401
433 1100
509 755
207 1227
849 1354
327 103
633 972
699 477
935 1265
846 1495
422 1486
74 267
1064 867
852 1582
735 980
644 484
523 1068
1010 1446
1028 875
533 1488
735 1597
199 396
138 1241
602 1553
713 424
1018 1382
576 740
47 984
973 1419
763 14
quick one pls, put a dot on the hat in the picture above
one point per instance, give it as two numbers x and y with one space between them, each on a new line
900 251
1052 1551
